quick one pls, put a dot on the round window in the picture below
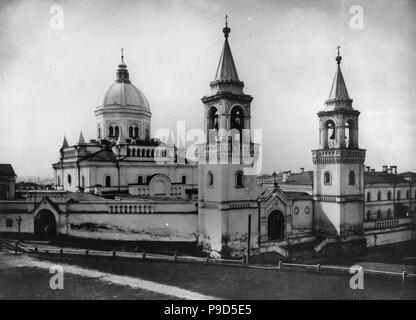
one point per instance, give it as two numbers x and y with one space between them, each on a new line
307 210
296 210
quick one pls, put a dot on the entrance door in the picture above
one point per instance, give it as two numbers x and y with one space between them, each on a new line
276 225
45 224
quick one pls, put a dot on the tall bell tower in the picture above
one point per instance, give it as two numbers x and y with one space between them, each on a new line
339 166
227 182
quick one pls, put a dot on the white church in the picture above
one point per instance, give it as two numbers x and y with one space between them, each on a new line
125 185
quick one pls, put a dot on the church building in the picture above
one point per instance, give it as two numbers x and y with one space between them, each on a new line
125 185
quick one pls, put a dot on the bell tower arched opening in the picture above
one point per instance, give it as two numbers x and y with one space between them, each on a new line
213 124
329 134
350 134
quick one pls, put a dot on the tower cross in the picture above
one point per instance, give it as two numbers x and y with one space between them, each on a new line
338 57
226 20
122 54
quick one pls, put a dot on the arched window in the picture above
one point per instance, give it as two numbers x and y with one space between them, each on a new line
399 195
379 196
349 134
116 131
210 179
128 152
183 179
389 195
407 194
108 181
327 178
140 180
131 132
143 153
99 132
329 134
379 215
69 179
213 118
148 179
351 178
237 118
368 215
133 152
389 214
239 179
111 131
369 196
148 153
82 181
153 153
136 132
59 180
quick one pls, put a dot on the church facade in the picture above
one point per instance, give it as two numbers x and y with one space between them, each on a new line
125 185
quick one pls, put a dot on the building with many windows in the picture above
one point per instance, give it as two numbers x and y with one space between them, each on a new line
124 185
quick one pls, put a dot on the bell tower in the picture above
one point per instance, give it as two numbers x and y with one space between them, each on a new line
227 182
338 166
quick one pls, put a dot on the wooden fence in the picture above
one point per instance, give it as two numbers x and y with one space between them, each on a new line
17 247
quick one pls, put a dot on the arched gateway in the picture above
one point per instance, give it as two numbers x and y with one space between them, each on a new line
276 225
45 224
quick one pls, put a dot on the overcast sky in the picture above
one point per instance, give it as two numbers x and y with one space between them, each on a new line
51 80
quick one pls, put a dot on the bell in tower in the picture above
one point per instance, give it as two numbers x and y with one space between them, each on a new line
338 166
227 190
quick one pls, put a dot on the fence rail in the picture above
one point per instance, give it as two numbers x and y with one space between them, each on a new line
19 247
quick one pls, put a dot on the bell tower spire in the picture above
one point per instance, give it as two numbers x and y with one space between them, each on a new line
226 77
338 165
226 180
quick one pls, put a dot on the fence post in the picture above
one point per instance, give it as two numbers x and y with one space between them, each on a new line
36 249
144 255
280 265
207 260
15 247
61 251
318 268
175 257
114 254
86 252
404 277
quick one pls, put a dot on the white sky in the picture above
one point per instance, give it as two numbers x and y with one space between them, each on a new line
52 80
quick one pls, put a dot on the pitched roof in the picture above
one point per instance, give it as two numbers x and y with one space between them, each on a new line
408 174
382 177
297 195
102 156
301 178
6 170
264 192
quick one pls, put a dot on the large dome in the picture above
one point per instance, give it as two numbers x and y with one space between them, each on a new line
125 94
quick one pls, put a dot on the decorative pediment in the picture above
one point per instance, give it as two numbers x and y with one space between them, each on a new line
277 201
47 204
